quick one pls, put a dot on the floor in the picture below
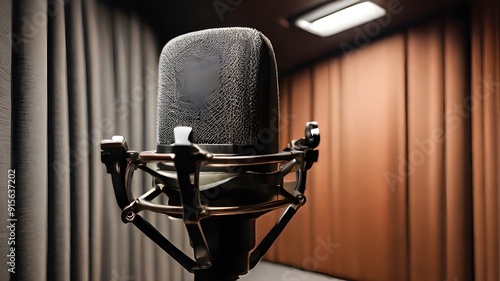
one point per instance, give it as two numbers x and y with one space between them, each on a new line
266 271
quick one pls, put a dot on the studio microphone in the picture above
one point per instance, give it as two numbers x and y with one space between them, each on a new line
221 83
217 159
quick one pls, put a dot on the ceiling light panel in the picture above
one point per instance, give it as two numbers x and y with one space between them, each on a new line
339 16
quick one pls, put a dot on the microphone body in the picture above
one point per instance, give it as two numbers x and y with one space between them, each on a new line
222 83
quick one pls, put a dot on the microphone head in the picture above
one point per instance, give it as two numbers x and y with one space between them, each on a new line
223 83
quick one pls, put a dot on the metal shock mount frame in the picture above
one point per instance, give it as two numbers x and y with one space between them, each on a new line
121 163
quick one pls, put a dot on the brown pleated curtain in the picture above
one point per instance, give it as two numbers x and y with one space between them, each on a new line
406 188
407 184
73 73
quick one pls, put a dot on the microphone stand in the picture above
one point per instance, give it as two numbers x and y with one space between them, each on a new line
222 237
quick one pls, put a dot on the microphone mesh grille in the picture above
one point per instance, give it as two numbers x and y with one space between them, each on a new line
218 82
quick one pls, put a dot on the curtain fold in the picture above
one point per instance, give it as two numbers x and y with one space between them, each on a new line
95 133
108 263
58 221
485 107
458 152
79 141
426 147
29 137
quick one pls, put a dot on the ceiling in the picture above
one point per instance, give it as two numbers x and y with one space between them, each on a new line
293 46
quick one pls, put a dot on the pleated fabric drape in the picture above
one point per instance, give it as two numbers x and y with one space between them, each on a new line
485 104
391 195
73 73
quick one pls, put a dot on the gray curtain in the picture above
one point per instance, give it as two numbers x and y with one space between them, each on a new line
72 73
